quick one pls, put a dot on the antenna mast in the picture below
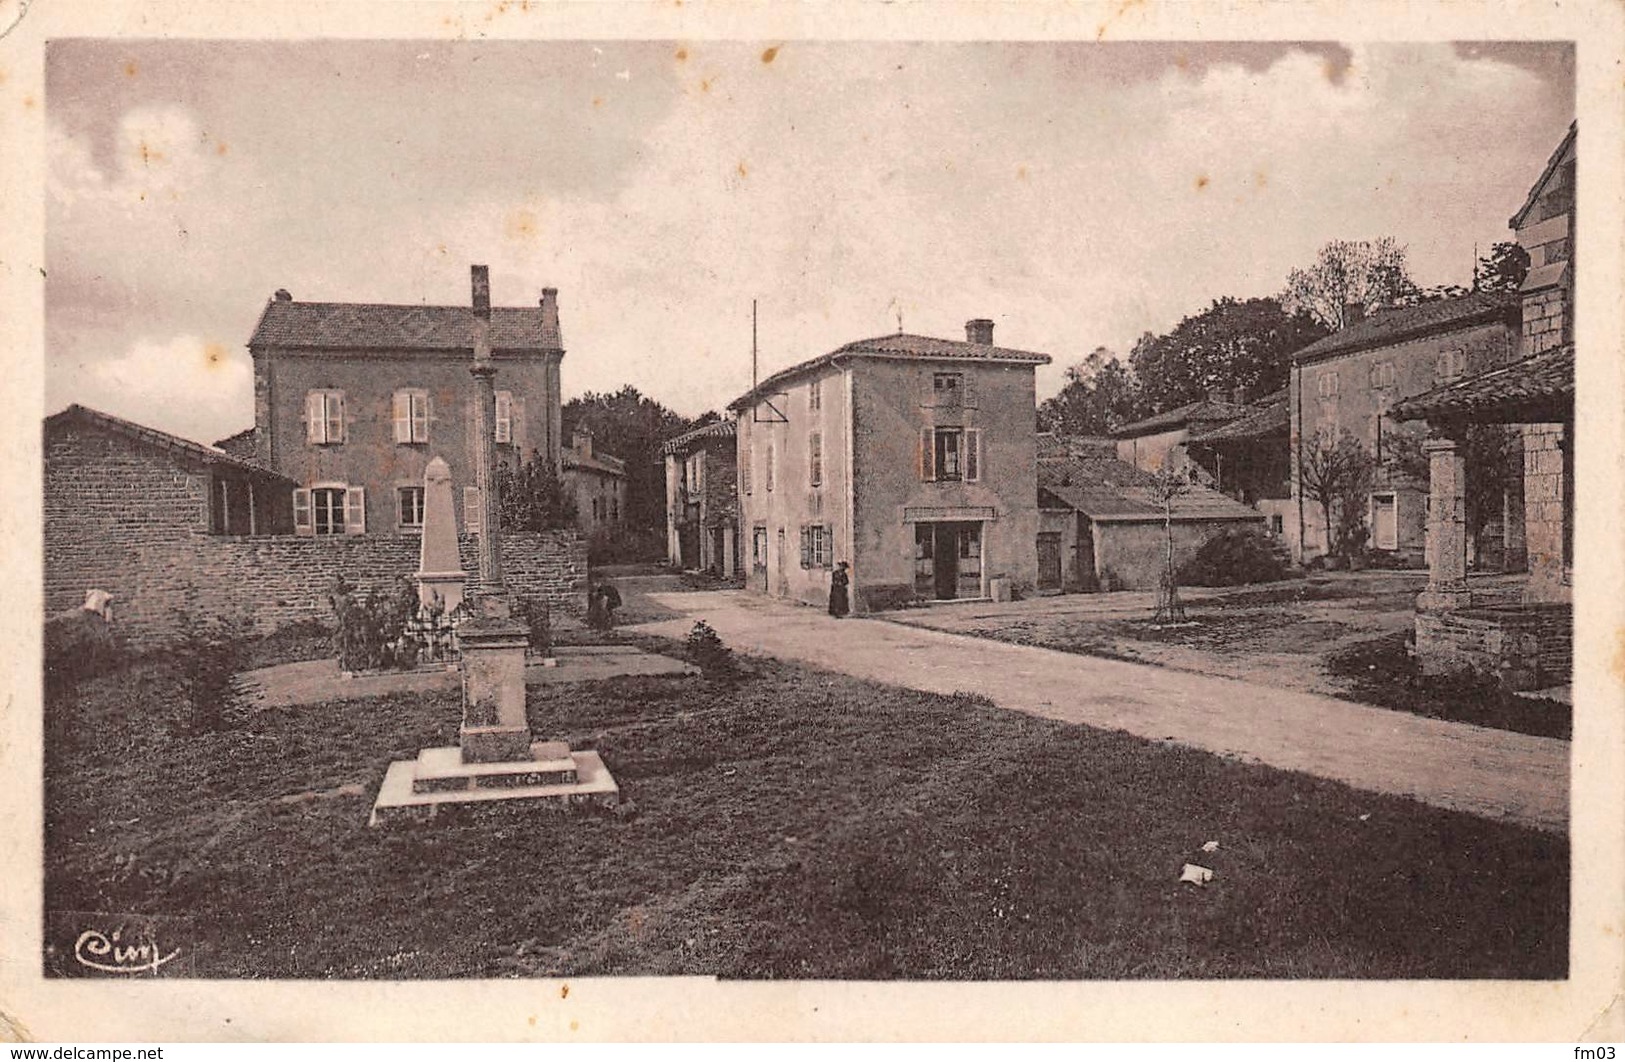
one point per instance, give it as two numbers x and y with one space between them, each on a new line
753 344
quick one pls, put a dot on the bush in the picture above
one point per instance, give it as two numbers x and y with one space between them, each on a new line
372 632
706 652
208 654
1233 558
538 618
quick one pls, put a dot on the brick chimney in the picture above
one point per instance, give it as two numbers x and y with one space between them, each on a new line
979 330
283 296
481 276
550 314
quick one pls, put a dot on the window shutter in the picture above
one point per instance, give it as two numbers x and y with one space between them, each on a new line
420 418
815 457
504 417
928 470
302 523
335 417
972 442
968 392
473 512
355 511
315 418
403 417
806 547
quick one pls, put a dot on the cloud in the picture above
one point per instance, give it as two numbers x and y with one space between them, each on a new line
195 388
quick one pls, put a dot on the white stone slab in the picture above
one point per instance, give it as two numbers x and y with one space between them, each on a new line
396 800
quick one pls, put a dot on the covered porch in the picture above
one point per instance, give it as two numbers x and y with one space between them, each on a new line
1526 640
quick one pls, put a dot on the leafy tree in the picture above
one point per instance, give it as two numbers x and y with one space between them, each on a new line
1502 269
532 497
1232 346
632 427
1369 272
1100 394
1490 455
1337 475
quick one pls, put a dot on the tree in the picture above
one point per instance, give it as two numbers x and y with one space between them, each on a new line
1337 475
1371 273
1168 485
1100 394
632 427
1234 346
1503 269
532 498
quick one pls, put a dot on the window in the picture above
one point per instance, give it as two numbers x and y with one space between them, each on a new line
324 417
948 388
817 546
333 509
815 457
815 395
950 454
411 416
770 468
503 432
473 510
1327 385
1382 375
694 472
615 509
744 469
1451 366
409 508
1277 523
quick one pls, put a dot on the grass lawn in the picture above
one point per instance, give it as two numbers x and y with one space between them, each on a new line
798 824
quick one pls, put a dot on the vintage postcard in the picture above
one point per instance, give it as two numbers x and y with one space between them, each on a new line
861 521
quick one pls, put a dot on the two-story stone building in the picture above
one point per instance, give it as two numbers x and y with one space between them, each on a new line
596 483
351 400
1350 382
702 499
911 458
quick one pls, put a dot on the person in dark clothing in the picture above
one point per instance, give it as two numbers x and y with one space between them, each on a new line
838 582
612 601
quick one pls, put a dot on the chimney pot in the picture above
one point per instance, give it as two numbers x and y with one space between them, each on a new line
979 330
481 276
283 296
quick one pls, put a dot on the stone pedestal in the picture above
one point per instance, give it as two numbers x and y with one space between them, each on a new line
1447 529
492 651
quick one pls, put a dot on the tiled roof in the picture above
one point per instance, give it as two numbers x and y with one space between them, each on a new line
1052 445
1202 411
1270 416
1107 489
154 437
240 445
604 463
1540 385
901 345
1397 324
717 429
365 326
1545 174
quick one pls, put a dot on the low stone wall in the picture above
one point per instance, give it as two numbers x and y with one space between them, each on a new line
1527 647
275 580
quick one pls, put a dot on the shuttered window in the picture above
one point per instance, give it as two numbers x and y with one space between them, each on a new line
473 511
324 417
504 417
331 510
815 457
411 416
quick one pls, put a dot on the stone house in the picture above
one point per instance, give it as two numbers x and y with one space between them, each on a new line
1102 527
351 400
910 457
118 493
1526 642
1250 460
596 482
1161 440
702 499
1350 381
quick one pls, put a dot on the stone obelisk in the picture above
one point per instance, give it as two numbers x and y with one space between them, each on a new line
440 575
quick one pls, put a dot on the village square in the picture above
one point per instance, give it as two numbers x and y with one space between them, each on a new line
1241 651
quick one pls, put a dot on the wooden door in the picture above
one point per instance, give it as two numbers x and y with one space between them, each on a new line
1049 560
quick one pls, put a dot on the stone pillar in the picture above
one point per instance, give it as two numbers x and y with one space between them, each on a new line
1544 516
440 573
1447 528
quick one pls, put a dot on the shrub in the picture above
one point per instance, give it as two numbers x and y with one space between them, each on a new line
1232 558
538 618
706 652
207 654
372 632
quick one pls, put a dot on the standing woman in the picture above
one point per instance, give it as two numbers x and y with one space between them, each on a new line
838 582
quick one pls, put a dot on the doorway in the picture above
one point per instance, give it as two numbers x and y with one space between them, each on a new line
1049 561
948 560
1384 522
758 559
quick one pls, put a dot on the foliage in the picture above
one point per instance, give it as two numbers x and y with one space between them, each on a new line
623 545
705 651
532 497
208 654
1240 348
1235 558
1503 269
538 619
371 632
1337 476
1100 395
633 427
1490 455
1368 273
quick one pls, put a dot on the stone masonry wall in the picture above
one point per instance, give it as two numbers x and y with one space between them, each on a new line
1543 508
1525 647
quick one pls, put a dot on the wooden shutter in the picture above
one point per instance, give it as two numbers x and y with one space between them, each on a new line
815 457
315 418
928 457
355 511
972 463
473 511
302 522
420 417
504 417
806 547
967 391
335 416
403 417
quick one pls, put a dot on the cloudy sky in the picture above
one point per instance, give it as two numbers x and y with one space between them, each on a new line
1078 194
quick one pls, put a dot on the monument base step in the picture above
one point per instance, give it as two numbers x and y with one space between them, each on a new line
537 782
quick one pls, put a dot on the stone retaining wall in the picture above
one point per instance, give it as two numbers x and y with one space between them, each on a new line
1527 646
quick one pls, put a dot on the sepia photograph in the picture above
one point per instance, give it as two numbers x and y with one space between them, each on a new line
1019 509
